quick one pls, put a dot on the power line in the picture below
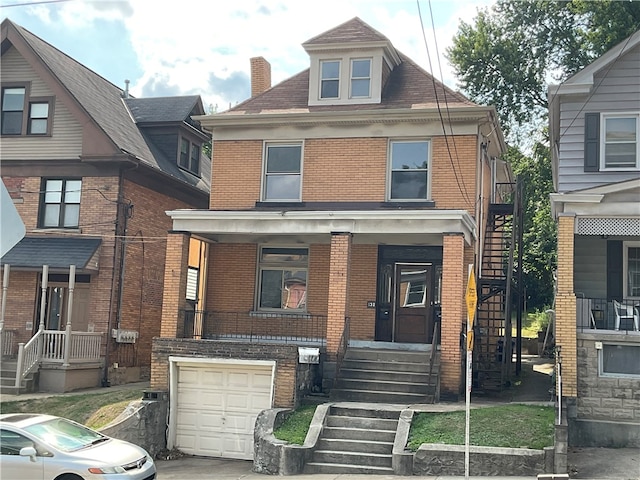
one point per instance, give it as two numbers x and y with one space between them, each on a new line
26 4
461 187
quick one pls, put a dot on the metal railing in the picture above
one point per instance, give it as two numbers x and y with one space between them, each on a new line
254 326
603 314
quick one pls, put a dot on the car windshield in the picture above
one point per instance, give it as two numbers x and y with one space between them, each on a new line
65 435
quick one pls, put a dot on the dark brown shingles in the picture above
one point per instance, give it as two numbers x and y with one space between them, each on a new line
354 30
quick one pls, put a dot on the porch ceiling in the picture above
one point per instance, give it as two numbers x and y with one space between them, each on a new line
392 227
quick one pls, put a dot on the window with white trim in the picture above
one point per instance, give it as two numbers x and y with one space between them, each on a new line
619 360
409 170
282 278
60 203
282 172
330 79
620 145
360 78
631 269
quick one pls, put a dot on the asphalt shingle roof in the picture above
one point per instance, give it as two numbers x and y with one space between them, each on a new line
164 109
104 103
57 252
354 30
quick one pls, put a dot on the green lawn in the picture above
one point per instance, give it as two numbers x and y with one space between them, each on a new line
511 425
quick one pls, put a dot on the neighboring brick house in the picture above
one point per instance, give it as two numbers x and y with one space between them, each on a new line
347 204
91 172
595 139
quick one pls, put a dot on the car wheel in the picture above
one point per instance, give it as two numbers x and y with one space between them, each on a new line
69 476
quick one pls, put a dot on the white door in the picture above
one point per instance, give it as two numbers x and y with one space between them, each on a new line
217 406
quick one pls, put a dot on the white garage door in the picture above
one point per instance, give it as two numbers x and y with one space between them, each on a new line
217 406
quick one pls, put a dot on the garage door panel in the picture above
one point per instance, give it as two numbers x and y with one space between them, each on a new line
217 406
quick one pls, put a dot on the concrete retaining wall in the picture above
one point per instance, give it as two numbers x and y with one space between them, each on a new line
275 457
143 423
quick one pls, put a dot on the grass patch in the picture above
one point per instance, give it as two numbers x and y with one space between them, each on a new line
294 428
515 426
533 323
79 408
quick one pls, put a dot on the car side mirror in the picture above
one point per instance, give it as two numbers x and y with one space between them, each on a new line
28 452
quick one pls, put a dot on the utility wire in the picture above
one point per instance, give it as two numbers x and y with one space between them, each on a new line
26 4
461 187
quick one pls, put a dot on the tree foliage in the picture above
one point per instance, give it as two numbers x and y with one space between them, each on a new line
506 58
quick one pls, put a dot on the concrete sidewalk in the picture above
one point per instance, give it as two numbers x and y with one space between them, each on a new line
199 468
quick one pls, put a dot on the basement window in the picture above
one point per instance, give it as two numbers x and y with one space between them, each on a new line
619 360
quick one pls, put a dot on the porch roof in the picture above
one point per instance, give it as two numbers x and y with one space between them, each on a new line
370 226
31 253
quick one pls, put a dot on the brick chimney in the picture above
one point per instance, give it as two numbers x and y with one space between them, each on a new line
260 76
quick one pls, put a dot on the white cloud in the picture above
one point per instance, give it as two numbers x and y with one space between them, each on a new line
203 47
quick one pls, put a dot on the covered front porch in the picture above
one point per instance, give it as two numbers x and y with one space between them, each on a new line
321 278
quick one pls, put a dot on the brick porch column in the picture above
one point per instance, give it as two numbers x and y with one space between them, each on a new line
338 290
565 328
453 314
175 283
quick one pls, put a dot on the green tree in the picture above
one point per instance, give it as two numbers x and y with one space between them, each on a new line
506 58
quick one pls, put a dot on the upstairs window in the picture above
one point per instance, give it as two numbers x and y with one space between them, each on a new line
282 282
361 78
60 203
22 115
409 164
12 110
282 172
620 141
189 158
38 118
330 79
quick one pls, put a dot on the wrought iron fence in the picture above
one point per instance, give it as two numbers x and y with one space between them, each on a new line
254 326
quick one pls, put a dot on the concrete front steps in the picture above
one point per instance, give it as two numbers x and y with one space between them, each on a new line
355 440
369 375
8 369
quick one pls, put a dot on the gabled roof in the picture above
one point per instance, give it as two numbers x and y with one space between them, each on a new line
354 30
408 86
99 99
164 109
582 81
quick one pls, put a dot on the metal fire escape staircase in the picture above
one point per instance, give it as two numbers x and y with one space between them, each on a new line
497 283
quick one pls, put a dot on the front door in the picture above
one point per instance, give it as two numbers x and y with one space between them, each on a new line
412 303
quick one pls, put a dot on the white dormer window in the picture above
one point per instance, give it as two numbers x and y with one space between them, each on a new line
330 79
361 78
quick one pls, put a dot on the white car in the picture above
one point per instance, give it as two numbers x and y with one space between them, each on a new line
44 447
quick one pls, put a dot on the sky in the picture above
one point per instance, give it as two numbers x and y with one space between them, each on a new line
203 47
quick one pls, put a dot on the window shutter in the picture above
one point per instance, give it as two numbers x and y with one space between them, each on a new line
614 270
591 142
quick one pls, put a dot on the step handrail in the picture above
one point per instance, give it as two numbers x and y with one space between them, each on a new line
342 348
434 348
29 356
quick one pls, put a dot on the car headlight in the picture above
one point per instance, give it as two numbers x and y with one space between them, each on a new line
103 470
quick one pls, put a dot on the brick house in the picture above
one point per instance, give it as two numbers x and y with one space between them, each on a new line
91 172
347 203
595 138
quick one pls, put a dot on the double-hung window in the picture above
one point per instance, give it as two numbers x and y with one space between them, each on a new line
360 78
631 269
189 157
409 165
12 110
22 115
282 282
620 141
330 79
282 172
60 203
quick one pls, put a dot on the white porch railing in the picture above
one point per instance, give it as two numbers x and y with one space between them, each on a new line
7 342
49 346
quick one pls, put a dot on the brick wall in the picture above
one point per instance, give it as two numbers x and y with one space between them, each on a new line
566 305
285 356
175 284
454 283
362 288
338 290
343 170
